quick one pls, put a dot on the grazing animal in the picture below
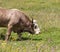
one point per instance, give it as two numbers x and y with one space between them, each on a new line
17 22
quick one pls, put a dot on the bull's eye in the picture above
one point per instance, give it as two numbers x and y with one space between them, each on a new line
35 27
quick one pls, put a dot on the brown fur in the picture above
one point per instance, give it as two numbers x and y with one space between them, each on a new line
16 21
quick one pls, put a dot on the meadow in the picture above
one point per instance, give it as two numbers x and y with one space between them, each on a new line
47 14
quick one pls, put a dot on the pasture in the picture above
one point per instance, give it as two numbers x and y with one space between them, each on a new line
47 14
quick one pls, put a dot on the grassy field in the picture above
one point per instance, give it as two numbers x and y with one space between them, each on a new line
47 14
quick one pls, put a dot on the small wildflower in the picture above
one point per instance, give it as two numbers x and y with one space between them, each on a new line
3 44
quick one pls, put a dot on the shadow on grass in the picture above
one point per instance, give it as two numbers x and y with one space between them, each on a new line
26 38
2 37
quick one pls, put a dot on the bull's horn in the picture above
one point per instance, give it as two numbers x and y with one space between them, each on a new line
32 20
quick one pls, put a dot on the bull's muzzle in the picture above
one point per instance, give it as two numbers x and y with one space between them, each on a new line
37 31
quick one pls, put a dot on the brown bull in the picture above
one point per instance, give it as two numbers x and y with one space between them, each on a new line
17 22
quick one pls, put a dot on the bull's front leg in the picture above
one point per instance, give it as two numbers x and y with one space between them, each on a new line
19 36
8 33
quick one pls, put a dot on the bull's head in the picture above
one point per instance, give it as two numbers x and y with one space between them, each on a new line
34 29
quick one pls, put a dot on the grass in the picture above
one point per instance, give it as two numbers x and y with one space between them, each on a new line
47 14
47 41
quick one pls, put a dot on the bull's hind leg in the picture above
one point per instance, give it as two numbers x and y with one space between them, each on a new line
8 31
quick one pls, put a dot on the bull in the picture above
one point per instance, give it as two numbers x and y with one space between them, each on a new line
18 22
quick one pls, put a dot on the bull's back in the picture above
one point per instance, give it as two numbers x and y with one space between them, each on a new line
7 15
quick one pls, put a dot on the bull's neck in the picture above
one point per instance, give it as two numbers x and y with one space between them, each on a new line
29 23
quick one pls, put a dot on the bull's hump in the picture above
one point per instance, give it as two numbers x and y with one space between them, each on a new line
15 9
11 13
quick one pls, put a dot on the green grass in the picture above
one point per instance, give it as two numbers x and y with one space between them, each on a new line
47 41
47 14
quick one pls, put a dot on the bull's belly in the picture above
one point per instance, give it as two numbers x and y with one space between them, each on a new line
17 29
3 24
